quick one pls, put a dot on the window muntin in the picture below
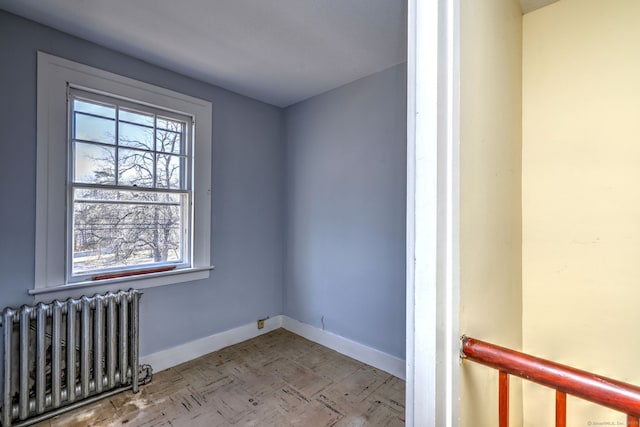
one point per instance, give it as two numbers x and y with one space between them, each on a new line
130 187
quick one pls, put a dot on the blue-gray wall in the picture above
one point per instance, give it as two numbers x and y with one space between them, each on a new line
346 196
247 203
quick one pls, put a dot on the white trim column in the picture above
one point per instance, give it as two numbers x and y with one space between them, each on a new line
432 213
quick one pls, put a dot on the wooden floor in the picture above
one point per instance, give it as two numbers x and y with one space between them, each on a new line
277 379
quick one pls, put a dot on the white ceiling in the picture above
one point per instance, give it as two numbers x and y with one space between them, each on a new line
531 5
278 51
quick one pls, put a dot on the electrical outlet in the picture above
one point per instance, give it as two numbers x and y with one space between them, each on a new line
261 323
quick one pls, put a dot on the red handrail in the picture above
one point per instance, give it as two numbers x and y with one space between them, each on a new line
604 391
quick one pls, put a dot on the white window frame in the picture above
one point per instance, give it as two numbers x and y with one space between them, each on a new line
54 76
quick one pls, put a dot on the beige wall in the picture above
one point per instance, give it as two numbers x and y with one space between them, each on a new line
581 195
490 196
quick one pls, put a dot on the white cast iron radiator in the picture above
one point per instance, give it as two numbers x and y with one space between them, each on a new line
61 355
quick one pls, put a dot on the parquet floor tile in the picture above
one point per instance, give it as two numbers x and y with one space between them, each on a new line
278 379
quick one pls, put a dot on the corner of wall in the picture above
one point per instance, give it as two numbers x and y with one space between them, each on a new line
490 196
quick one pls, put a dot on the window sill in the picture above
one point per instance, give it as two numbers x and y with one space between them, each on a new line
151 280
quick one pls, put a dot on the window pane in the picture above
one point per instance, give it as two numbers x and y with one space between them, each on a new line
135 168
94 164
135 136
90 128
95 109
113 235
168 124
169 170
136 117
169 141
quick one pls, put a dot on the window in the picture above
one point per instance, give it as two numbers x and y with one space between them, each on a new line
123 188
129 192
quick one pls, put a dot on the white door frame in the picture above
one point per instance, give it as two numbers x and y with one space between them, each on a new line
432 213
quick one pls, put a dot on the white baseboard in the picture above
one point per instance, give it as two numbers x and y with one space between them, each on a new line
370 356
191 350
188 351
